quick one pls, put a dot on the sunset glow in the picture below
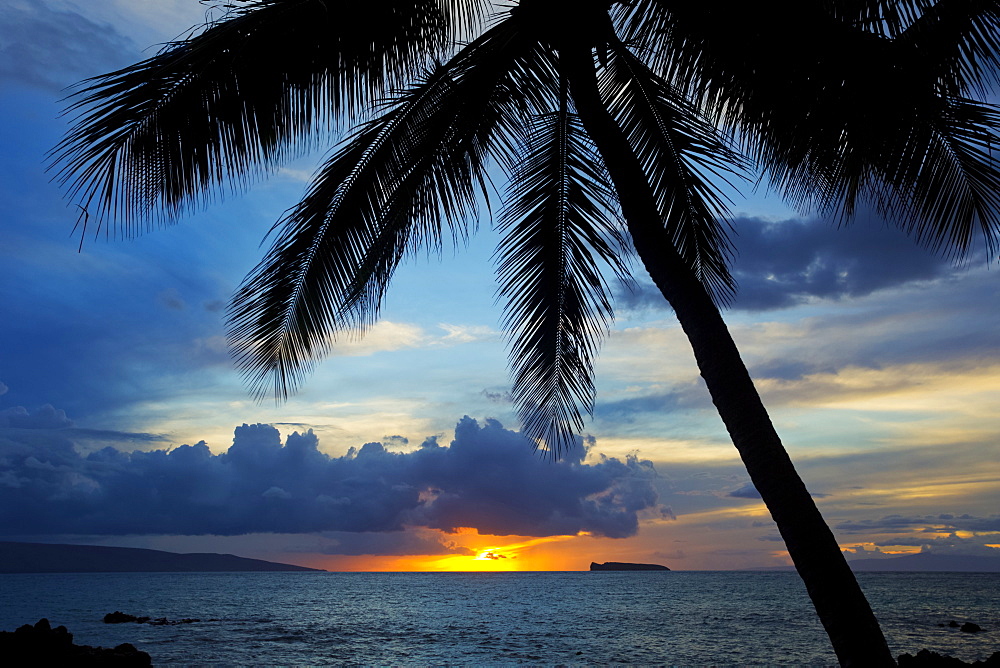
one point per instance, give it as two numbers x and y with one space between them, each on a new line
486 553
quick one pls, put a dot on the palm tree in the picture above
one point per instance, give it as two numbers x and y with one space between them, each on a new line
613 122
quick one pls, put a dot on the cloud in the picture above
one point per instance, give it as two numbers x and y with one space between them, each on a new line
488 479
411 541
940 523
502 397
45 417
44 47
859 552
3 389
386 335
632 409
172 299
786 263
747 491
954 544
300 175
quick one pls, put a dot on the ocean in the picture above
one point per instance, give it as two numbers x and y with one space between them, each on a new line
544 618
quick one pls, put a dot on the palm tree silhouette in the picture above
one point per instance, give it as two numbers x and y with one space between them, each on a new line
613 121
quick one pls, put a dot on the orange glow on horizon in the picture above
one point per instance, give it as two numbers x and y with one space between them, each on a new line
487 553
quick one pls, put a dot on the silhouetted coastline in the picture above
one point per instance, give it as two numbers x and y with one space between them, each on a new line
59 558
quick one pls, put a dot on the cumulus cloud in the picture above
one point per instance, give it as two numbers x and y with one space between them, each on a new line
488 478
45 417
45 47
782 264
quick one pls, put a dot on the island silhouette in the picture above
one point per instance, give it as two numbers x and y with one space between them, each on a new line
624 566
61 558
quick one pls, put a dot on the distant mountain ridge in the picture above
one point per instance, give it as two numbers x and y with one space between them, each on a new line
59 558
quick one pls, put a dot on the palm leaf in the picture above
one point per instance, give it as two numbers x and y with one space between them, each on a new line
683 157
152 138
388 191
557 234
944 184
886 18
958 42
865 117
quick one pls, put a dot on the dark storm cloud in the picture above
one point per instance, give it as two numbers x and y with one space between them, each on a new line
52 49
786 263
488 479
782 264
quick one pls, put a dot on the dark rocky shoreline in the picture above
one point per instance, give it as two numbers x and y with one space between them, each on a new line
40 644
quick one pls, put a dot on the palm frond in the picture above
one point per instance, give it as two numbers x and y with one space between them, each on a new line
958 42
465 19
870 110
942 176
558 232
885 18
711 51
684 159
152 138
389 190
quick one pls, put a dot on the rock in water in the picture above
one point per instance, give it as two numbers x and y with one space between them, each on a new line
927 659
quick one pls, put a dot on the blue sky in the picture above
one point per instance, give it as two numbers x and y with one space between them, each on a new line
878 360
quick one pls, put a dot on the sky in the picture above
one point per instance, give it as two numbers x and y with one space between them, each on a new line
124 422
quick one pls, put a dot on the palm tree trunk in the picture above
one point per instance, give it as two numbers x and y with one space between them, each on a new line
839 601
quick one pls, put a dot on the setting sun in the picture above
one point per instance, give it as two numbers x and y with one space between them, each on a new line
483 552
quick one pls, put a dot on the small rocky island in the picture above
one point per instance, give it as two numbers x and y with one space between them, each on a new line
622 566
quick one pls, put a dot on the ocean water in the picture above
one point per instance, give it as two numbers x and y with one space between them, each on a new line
550 618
